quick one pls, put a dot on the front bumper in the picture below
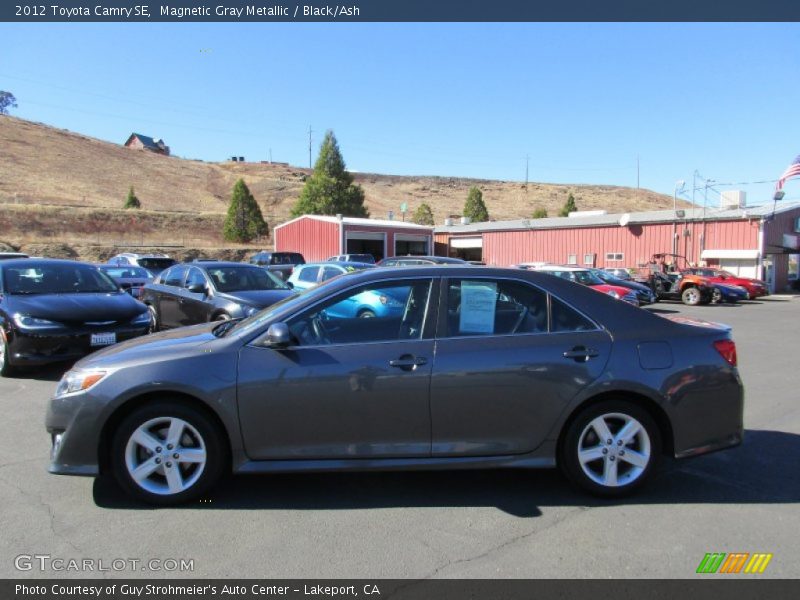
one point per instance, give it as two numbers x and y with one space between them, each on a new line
38 348
73 424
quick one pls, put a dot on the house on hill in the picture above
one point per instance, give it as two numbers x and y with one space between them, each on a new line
143 142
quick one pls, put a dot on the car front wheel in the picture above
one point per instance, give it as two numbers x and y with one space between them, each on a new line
167 453
611 448
5 356
691 296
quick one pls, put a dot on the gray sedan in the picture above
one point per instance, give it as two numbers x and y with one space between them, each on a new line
476 367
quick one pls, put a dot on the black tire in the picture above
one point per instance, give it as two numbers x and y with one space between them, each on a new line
691 296
153 319
366 314
581 435
6 369
199 426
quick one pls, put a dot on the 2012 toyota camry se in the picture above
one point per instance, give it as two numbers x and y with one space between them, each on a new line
481 368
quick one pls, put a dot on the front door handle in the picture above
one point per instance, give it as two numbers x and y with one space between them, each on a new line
581 353
408 362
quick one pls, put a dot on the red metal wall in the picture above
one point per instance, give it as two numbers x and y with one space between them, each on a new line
636 242
314 238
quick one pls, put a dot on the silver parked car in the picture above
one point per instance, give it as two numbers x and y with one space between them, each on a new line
473 367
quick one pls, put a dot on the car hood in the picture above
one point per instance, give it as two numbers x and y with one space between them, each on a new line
157 346
117 306
257 298
606 288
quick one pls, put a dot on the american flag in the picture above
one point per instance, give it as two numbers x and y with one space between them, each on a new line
793 170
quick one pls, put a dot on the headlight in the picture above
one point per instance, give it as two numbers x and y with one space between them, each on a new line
78 381
28 322
613 294
141 318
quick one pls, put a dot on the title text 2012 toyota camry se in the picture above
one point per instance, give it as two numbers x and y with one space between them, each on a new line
479 367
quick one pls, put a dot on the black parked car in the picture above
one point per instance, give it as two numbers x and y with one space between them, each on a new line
193 293
280 263
478 367
129 278
54 310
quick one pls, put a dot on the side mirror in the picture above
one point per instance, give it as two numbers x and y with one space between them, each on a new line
289 284
197 288
278 336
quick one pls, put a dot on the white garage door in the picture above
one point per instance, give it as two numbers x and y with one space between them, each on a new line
741 267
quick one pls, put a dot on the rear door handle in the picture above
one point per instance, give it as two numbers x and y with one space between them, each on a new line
408 362
581 353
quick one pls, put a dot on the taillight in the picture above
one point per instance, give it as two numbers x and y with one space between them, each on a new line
727 349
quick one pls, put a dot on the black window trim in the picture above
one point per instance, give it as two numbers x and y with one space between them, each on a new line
441 332
428 330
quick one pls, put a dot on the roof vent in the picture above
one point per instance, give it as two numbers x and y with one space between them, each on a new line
448 222
465 220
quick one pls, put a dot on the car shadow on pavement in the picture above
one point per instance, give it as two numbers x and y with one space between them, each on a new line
758 472
51 372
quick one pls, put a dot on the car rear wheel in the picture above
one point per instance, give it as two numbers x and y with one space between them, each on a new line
611 448
716 296
691 296
167 453
5 366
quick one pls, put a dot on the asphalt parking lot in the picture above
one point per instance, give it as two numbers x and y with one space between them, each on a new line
457 524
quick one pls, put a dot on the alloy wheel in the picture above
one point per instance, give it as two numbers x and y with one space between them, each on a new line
165 456
614 450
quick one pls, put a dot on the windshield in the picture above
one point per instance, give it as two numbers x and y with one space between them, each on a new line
56 279
244 278
364 258
156 264
126 272
287 259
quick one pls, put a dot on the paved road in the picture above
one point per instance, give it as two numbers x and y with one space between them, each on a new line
460 524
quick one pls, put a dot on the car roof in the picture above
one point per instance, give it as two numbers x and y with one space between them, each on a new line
560 268
35 262
211 264
335 263
439 259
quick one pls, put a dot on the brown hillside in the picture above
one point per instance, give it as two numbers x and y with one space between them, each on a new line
41 165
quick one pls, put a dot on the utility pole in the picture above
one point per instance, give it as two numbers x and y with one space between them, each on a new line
527 159
309 146
637 171
270 156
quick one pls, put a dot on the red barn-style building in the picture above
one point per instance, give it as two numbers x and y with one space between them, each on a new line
318 237
137 141
761 242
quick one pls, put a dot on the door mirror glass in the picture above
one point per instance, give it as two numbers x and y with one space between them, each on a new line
196 288
278 335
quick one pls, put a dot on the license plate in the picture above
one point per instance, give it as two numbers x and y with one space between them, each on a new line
103 339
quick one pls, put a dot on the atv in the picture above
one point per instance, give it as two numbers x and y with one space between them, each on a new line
669 283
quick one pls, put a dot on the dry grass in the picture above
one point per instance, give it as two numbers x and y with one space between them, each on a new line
42 165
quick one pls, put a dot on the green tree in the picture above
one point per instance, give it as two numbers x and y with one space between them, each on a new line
244 220
540 213
474 208
7 101
423 215
330 189
569 206
132 201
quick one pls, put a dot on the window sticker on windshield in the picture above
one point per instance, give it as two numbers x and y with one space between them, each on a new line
478 299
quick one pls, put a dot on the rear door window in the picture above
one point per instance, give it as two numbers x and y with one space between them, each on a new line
309 275
174 277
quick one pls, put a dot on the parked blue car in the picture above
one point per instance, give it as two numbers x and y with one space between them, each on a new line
387 302
728 293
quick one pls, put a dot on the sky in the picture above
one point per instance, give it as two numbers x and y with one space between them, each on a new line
585 102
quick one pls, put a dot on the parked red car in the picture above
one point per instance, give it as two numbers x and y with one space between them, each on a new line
755 287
